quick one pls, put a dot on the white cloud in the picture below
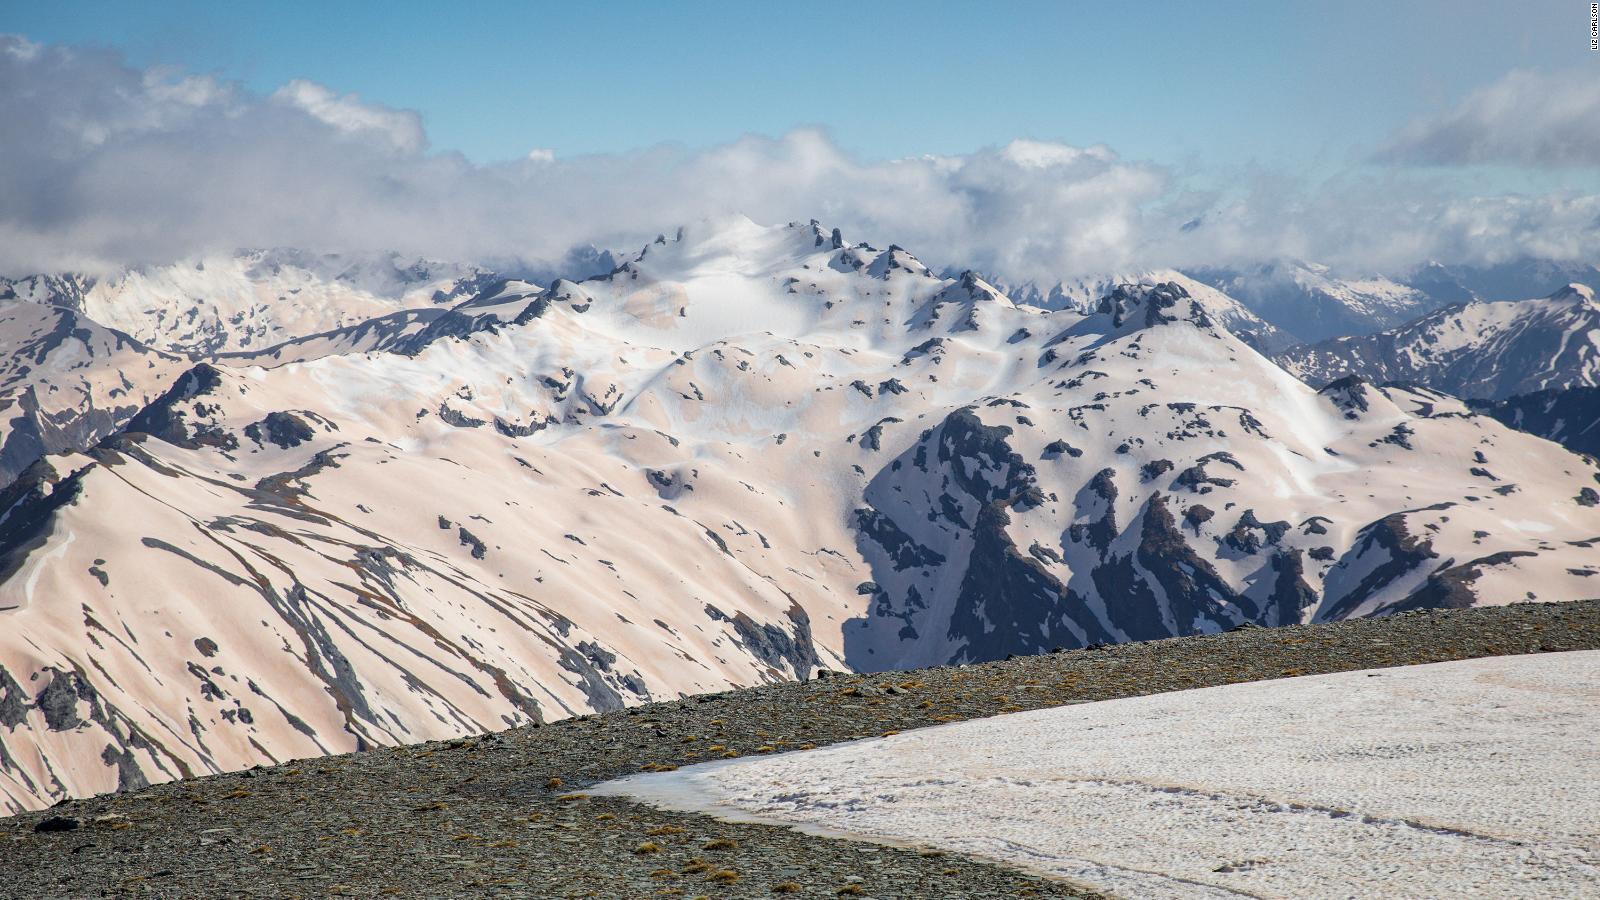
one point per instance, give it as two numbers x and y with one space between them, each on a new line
1524 118
106 165
347 114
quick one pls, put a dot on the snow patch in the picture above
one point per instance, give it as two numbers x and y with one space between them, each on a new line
1453 779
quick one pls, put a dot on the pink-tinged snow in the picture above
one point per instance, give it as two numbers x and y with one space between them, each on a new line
1474 778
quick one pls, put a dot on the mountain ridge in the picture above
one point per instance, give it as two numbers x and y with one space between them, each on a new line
1477 350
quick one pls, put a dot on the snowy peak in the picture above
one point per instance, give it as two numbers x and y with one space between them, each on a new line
732 244
1146 306
1084 294
961 304
822 237
897 261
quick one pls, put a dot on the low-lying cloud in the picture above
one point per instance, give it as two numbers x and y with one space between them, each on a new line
103 165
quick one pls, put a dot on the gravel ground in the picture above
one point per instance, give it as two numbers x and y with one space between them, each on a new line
502 815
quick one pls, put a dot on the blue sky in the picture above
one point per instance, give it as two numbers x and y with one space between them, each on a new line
1294 84
1033 140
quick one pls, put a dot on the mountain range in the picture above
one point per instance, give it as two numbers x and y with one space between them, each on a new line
453 502
1479 350
1291 302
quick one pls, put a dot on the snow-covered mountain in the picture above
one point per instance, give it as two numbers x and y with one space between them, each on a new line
1479 350
1277 304
67 379
1308 301
1084 292
743 453
253 299
66 382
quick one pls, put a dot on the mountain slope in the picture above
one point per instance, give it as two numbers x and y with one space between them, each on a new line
66 382
253 299
1478 350
745 453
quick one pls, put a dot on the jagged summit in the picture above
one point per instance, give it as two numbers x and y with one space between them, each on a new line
1150 305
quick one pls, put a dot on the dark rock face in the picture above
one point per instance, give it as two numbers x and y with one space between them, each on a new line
1450 586
1197 515
872 438
1195 593
13 701
977 476
1057 448
1154 469
1568 416
779 648
1350 393
902 550
1291 596
283 429
1010 603
1196 478
458 419
166 419
27 507
1249 535
471 541
591 680
58 701
1396 550
1100 493
963 436
130 777
58 823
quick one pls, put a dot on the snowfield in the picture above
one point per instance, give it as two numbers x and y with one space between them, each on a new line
1474 778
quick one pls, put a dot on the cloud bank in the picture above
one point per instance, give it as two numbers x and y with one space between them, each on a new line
103 165
1525 118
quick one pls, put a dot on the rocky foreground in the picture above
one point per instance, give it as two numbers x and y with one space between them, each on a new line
504 815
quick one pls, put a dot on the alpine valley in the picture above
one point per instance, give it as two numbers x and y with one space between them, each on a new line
255 511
